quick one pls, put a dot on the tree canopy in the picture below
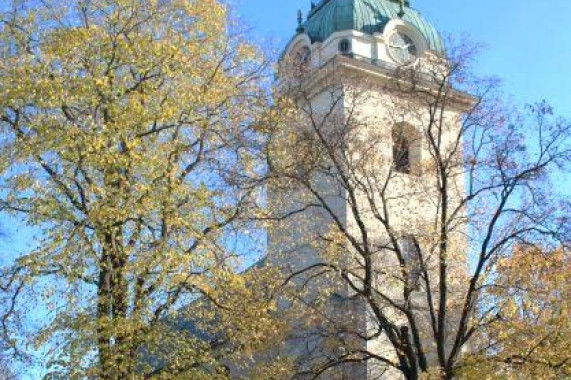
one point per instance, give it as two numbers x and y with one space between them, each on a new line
127 142
530 334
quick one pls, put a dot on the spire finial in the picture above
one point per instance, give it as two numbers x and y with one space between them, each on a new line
300 21
402 5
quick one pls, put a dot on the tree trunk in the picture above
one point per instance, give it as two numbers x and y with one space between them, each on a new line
114 342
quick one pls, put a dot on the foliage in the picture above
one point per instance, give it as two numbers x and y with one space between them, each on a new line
530 334
127 142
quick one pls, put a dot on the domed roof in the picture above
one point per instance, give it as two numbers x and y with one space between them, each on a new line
367 16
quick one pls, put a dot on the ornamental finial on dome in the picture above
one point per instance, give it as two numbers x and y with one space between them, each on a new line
402 5
300 28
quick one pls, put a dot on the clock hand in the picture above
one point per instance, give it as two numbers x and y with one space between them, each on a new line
400 47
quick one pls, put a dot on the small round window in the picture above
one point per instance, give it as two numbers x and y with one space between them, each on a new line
344 46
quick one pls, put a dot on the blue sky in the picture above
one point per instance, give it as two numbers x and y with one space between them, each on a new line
527 42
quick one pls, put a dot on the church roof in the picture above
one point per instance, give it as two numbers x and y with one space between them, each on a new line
367 16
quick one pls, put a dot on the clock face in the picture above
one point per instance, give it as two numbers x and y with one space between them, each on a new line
402 48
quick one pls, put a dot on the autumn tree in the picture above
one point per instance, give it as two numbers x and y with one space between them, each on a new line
127 144
404 194
531 333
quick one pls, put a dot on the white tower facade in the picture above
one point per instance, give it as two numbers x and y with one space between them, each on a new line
359 196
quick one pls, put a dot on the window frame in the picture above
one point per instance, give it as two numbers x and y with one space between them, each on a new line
401 154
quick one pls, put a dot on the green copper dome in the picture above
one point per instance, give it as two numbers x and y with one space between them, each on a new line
367 16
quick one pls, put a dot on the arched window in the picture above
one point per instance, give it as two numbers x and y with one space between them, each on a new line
407 149
401 151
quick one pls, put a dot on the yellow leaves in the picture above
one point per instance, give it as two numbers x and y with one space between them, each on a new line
23 182
433 373
277 370
531 330
247 52
131 134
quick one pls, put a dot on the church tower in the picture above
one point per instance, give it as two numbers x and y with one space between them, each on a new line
359 194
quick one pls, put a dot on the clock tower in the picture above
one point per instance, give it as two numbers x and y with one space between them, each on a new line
357 196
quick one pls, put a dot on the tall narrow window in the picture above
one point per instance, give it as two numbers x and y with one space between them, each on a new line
401 152
410 250
345 46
